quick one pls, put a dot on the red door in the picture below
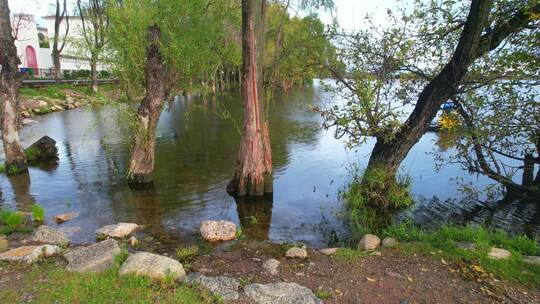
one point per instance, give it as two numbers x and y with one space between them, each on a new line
31 59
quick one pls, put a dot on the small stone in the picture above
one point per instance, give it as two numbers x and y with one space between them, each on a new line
533 260
64 217
218 230
296 252
328 251
94 258
133 241
154 266
498 253
281 293
48 235
27 121
369 242
29 254
389 242
225 287
271 266
119 230
466 245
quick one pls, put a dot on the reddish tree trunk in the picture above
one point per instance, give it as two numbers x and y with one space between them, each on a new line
253 174
9 90
141 164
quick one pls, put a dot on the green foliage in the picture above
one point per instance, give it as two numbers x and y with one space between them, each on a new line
370 197
323 294
38 213
12 170
2 168
54 92
12 219
32 153
187 253
348 254
443 241
29 91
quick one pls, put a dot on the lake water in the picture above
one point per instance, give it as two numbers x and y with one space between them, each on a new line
195 158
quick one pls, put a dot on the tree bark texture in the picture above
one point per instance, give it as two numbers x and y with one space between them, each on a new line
93 74
15 159
141 164
253 174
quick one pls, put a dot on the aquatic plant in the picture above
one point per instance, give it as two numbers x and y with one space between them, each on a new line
187 253
12 219
38 213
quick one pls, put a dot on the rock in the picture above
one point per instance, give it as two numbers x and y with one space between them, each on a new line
154 266
281 293
29 254
119 230
133 241
225 287
389 242
4 243
328 251
369 242
43 149
271 266
64 217
498 253
296 252
42 103
466 245
48 235
94 258
27 121
218 230
532 260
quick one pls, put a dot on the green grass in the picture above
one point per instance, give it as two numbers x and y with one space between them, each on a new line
32 153
12 219
323 294
2 168
29 92
38 213
443 242
348 254
188 253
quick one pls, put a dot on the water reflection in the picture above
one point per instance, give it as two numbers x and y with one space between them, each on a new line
196 148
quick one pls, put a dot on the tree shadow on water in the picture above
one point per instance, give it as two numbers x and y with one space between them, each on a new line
255 215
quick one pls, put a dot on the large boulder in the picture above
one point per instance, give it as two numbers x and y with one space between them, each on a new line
48 235
369 242
94 258
225 287
281 293
154 266
43 149
218 230
29 254
119 230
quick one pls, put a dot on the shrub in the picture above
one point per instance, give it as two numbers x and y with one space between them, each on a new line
38 213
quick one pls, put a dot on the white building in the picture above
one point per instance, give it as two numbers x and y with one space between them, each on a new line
34 44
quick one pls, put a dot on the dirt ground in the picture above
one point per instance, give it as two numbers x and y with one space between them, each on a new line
390 277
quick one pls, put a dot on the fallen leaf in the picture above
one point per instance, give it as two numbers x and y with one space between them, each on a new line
409 278
371 279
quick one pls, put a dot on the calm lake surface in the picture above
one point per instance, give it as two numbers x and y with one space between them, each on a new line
195 158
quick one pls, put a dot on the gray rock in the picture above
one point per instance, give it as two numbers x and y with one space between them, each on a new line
119 230
389 242
4 243
533 260
328 251
281 293
466 245
94 258
27 121
218 230
48 235
271 266
29 254
296 252
369 242
45 148
225 287
154 266
499 254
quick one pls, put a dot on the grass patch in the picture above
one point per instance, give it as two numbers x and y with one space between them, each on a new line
2 168
323 294
185 254
49 283
32 153
12 221
29 92
444 242
348 254
38 213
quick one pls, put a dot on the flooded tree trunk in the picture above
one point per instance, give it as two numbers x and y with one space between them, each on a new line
388 154
93 73
9 91
141 164
253 174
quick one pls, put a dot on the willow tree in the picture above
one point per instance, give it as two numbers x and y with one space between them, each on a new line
15 159
158 54
440 51
253 175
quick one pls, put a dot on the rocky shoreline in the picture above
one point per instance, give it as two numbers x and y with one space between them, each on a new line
262 272
39 105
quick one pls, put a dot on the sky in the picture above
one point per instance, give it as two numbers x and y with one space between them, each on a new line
350 13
